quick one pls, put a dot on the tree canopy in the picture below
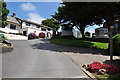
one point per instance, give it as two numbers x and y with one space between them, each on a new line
108 11
51 23
3 14
82 14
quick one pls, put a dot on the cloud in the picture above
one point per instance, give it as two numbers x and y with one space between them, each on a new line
35 17
28 7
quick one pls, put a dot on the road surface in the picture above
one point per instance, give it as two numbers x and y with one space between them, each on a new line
38 59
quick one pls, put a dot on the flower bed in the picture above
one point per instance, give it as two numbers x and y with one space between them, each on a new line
42 35
101 68
32 36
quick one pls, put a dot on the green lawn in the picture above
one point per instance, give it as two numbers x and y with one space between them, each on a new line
79 43
107 77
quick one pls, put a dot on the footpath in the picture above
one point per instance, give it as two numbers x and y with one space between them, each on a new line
82 56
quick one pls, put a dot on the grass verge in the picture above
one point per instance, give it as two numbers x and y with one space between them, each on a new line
79 43
107 77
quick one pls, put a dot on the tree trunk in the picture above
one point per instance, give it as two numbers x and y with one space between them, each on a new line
82 32
82 29
54 33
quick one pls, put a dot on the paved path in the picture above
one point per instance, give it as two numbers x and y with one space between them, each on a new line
38 59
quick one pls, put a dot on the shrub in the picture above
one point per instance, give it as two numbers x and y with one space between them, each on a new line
2 37
116 44
32 36
96 66
42 35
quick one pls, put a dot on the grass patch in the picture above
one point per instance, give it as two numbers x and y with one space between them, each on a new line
79 43
107 77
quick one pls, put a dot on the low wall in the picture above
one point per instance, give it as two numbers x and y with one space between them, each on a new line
6 49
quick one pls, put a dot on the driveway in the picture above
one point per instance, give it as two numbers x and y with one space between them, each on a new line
38 59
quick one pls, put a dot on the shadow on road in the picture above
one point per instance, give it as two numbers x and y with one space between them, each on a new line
44 44
6 49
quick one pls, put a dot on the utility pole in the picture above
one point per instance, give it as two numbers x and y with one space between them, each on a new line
111 44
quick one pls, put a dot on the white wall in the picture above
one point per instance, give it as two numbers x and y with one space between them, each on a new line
77 33
17 27
23 29
15 37
24 25
66 33
30 30
8 30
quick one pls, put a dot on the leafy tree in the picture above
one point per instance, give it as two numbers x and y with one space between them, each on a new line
84 14
108 11
80 14
3 14
51 23
87 34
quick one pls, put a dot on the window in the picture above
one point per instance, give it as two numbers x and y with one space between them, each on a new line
12 26
27 24
43 29
37 26
48 29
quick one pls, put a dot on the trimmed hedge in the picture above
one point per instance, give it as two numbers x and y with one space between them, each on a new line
116 44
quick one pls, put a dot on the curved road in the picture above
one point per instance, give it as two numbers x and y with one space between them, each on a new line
38 59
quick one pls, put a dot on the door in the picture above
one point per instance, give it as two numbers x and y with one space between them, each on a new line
24 33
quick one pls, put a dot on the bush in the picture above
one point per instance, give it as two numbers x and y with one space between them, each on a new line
42 35
2 37
95 67
116 44
32 36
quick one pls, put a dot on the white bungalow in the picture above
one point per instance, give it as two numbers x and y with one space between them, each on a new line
18 25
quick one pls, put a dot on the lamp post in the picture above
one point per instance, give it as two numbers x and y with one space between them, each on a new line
111 44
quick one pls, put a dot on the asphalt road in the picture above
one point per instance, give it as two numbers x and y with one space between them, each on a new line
38 59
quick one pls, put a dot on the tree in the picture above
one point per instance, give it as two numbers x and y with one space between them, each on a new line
110 12
80 14
3 14
51 23
84 14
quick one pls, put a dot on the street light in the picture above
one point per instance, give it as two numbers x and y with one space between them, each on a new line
111 44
